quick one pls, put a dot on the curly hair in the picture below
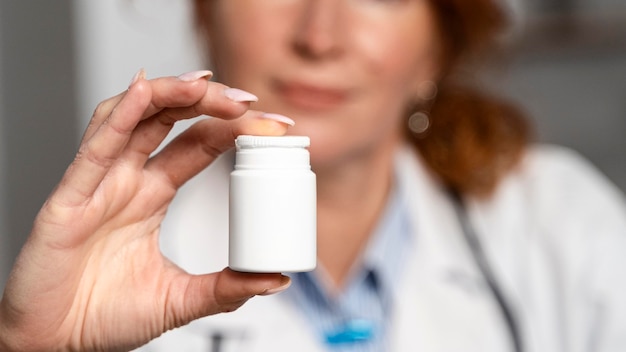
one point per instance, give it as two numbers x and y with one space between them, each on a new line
474 138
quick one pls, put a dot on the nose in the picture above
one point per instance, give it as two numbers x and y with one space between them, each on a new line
318 34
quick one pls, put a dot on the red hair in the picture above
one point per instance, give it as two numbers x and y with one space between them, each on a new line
474 138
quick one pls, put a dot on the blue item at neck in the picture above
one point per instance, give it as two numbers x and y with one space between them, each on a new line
353 331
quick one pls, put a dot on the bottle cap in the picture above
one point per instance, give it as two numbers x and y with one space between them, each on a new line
246 141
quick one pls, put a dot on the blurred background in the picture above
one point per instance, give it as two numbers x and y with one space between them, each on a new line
565 64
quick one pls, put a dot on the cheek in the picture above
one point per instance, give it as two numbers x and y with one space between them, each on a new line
394 70
399 55
396 58
244 40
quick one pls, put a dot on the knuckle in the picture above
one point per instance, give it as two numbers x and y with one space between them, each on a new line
231 307
92 156
102 109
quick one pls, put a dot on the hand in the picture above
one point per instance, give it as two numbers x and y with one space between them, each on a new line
91 275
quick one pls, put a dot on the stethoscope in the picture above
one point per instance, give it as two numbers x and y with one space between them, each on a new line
480 258
355 332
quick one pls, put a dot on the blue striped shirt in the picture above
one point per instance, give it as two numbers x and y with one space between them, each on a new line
358 318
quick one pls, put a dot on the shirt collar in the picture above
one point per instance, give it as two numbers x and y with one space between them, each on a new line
385 254
387 250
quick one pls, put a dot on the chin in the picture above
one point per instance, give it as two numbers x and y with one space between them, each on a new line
327 150
330 144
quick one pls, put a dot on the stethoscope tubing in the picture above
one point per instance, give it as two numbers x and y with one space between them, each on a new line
484 266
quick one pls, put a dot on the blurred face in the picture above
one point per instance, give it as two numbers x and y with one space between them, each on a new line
344 70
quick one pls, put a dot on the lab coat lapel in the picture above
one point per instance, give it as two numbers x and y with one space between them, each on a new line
442 304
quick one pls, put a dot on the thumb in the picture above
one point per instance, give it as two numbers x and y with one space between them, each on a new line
225 292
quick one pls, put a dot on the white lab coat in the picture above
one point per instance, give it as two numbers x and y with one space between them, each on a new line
554 233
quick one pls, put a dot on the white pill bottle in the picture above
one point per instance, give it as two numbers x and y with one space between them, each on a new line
273 226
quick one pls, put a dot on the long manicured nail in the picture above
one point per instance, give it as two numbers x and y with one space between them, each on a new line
238 95
285 283
279 118
141 74
195 75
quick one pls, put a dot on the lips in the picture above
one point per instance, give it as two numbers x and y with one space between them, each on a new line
311 97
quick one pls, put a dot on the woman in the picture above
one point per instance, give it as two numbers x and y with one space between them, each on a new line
400 209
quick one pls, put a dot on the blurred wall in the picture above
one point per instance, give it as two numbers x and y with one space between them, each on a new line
579 102
5 253
60 58
118 37
37 112
568 71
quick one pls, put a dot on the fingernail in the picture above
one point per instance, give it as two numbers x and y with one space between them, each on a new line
286 282
279 118
195 75
238 95
141 74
